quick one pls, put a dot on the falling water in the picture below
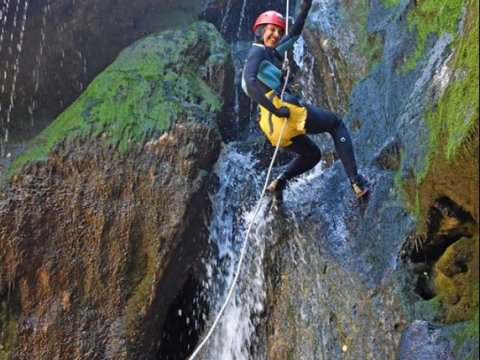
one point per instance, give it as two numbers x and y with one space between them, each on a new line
38 59
242 16
306 63
233 206
240 183
226 18
10 50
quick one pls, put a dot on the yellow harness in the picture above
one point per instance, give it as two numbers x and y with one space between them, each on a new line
271 124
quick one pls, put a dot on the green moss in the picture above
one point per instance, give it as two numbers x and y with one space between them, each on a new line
9 316
7 332
458 292
408 190
143 272
452 156
455 115
389 3
416 208
429 310
372 47
291 354
142 293
432 17
151 84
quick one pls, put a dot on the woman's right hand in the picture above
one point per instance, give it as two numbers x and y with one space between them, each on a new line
283 112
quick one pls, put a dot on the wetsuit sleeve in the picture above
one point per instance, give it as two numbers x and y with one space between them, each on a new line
299 22
250 71
295 31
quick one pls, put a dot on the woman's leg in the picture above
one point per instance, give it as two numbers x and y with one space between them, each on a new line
309 155
319 121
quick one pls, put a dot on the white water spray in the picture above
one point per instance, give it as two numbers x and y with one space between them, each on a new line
232 210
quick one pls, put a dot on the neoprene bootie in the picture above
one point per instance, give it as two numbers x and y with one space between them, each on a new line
276 188
359 186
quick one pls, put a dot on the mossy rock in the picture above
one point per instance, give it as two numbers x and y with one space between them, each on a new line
452 159
160 80
456 280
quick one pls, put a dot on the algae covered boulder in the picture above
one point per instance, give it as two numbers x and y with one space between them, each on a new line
102 222
156 82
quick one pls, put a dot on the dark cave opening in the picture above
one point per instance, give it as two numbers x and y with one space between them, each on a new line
446 223
184 322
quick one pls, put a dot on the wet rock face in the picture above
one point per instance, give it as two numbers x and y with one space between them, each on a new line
88 272
420 342
224 14
343 49
338 287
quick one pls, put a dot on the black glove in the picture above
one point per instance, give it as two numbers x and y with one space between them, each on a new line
306 4
283 112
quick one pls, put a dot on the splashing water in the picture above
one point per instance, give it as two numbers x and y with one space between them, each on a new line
233 209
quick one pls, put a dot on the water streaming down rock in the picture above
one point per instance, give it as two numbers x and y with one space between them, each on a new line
240 333
233 205
38 60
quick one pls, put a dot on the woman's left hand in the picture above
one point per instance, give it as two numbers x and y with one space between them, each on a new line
306 4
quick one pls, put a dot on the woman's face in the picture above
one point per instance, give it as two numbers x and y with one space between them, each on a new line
272 35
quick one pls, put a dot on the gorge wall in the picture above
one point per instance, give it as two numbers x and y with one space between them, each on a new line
105 218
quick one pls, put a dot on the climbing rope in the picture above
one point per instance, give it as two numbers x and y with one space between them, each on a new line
257 209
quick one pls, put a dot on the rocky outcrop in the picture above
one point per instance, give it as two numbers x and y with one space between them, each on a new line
359 280
102 230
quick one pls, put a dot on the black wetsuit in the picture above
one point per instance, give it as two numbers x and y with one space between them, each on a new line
262 73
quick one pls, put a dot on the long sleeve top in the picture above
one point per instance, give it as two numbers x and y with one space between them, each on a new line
261 72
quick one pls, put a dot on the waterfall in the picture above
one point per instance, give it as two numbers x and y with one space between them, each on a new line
233 205
240 183
242 16
38 59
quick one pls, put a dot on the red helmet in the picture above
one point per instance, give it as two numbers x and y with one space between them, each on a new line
270 17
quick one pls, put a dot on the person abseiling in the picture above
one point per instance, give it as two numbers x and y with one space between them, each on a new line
262 81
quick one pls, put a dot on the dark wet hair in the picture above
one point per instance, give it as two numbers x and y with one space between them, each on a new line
259 34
